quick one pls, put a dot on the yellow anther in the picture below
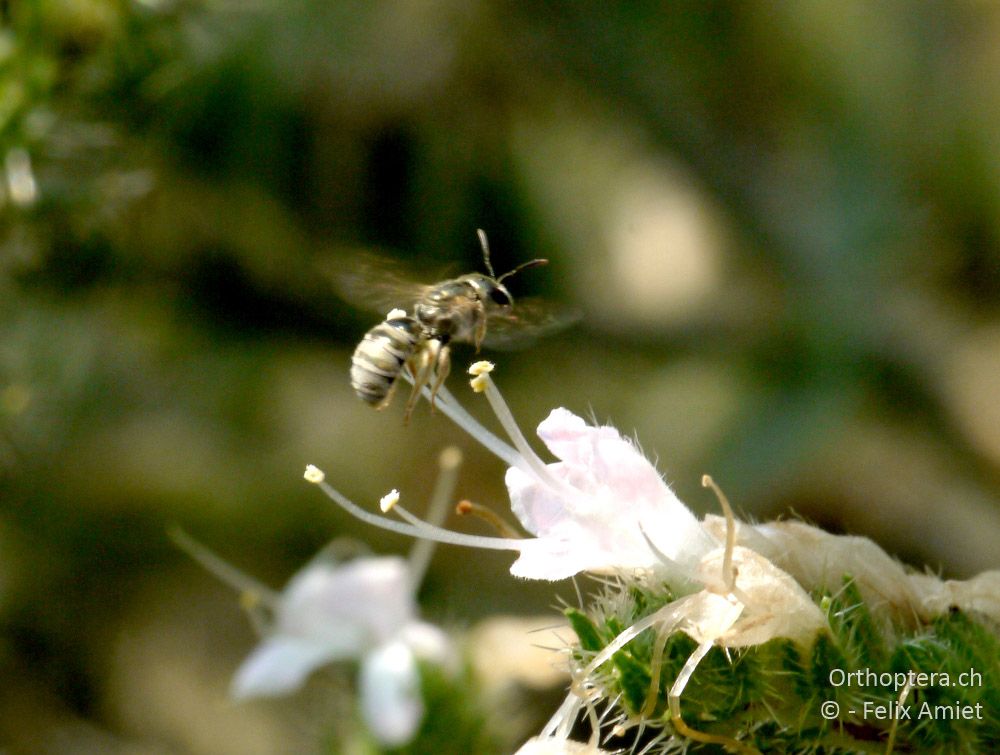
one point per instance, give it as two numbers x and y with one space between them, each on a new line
450 458
481 367
250 600
389 500
314 474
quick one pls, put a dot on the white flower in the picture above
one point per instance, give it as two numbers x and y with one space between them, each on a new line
363 609
609 495
602 507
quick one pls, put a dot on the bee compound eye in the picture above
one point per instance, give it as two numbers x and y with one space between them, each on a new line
500 297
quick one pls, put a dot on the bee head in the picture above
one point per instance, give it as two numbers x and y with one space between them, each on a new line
492 294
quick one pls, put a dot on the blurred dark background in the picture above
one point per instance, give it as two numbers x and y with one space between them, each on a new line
780 222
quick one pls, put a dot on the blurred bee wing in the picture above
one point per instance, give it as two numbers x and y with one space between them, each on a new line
373 282
530 320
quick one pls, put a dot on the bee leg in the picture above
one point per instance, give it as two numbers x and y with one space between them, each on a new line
421 374
441 370
388 396
480 325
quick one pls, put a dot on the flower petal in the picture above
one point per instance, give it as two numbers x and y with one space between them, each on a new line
360 603
390 694
601 457
279 666
608 496
427 642
553 559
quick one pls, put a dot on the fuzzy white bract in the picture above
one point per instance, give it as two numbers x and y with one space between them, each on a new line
557 746
554 737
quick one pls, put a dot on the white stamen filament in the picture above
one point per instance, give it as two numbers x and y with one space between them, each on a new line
449 463
634 631
561 724
242 583
423 530
563 719
506 418
413 519
454 411
522 455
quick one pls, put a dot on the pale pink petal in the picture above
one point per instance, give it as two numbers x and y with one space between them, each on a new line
599 456
607 495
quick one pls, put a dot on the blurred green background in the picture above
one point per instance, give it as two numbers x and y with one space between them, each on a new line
779 221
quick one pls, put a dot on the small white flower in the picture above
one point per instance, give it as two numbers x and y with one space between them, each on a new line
330 610
361 609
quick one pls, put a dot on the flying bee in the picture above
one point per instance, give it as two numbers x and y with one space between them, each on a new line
452 311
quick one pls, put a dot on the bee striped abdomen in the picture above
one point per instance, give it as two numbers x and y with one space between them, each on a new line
380 357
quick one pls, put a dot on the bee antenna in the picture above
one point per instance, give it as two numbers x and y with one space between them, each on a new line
486 251
489 268
523 266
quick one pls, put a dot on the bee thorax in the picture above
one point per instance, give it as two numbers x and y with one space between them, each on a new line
451 311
